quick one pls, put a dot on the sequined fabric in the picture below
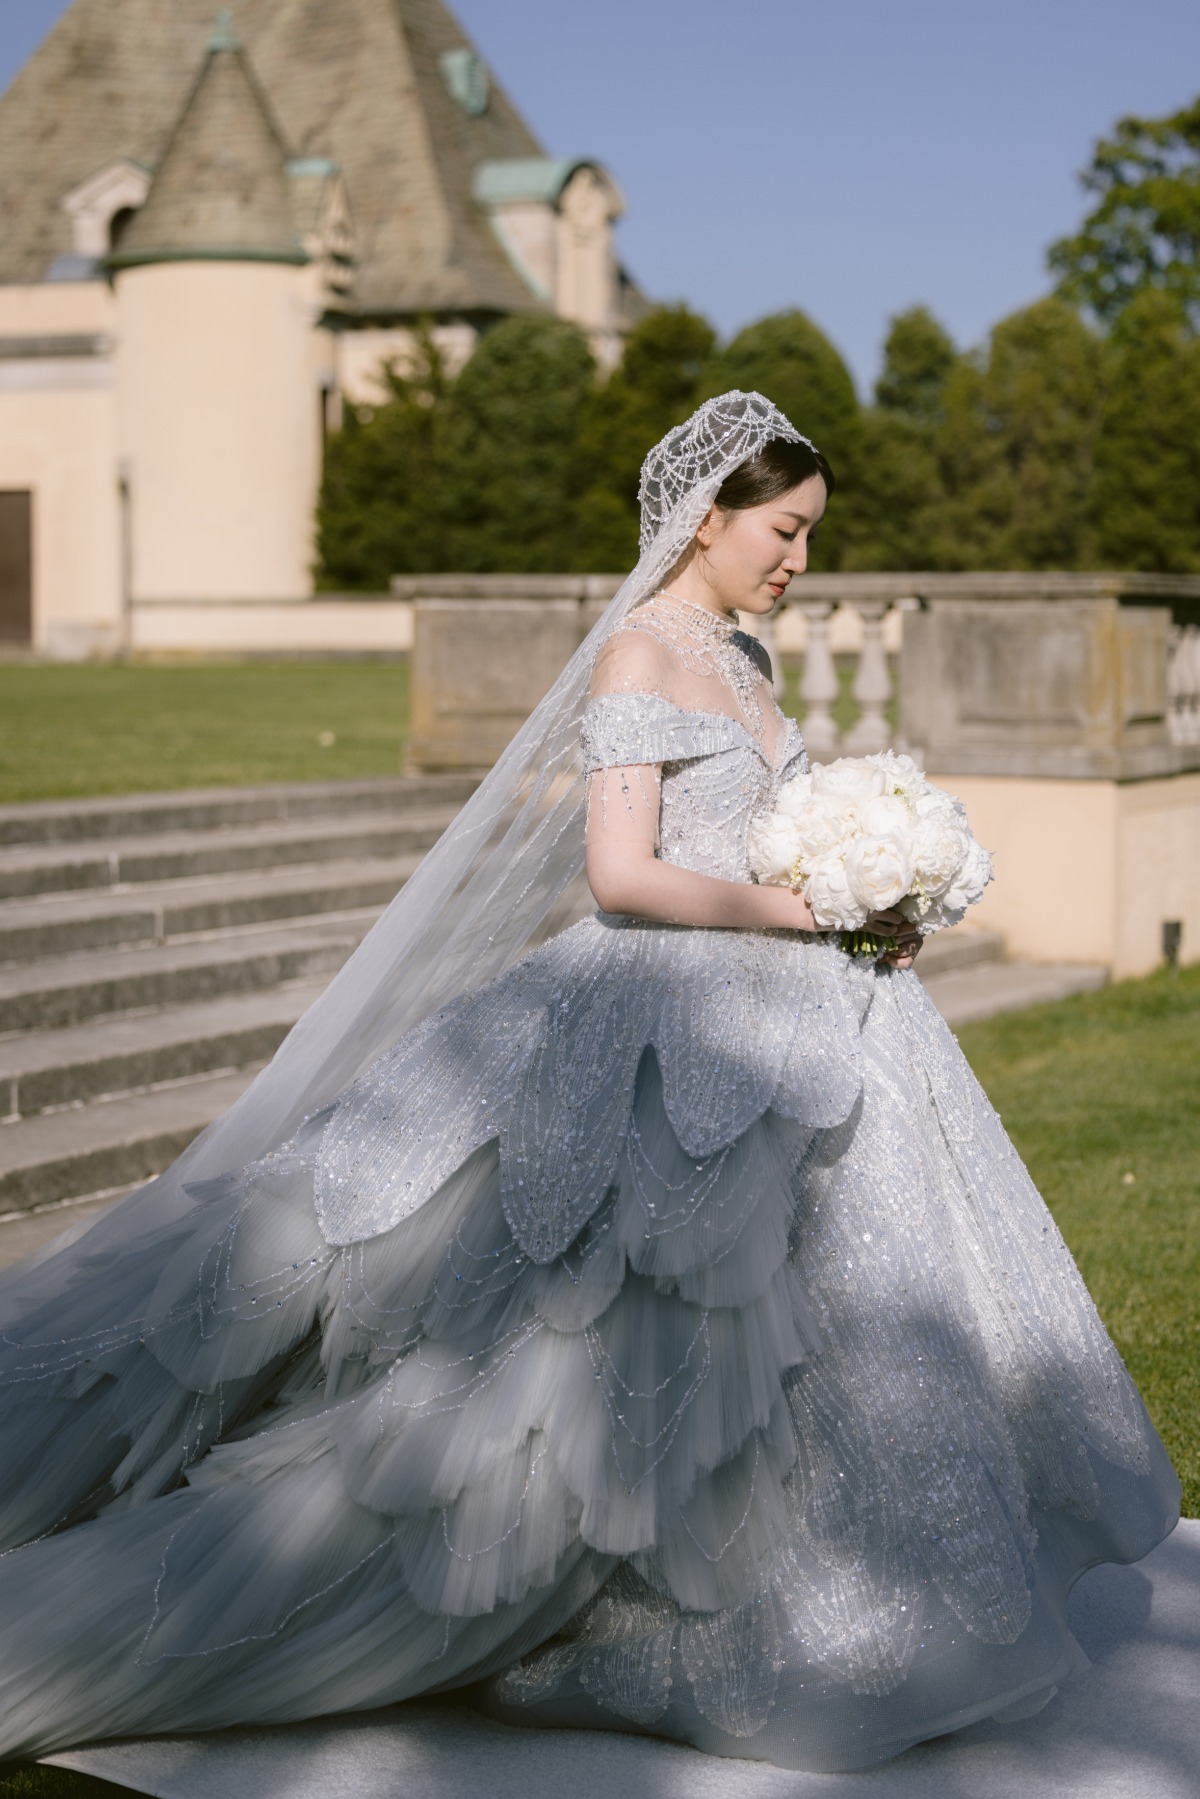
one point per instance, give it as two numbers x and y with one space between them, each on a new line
664 1333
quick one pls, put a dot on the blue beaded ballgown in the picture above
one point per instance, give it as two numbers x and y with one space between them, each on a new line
662 1335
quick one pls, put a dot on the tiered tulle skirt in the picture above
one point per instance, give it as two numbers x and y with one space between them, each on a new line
665 1338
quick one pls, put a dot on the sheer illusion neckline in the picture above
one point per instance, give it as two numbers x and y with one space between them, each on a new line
717 648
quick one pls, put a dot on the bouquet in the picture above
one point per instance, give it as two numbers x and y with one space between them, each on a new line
870 834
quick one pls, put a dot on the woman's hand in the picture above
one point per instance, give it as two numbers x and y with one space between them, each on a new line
908 938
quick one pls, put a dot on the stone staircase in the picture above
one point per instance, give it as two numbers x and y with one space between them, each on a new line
968 976
156 949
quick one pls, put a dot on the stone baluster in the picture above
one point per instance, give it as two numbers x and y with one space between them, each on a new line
1183 685
872 683
819 685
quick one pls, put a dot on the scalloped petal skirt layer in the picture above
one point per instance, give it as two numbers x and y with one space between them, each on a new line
667 1337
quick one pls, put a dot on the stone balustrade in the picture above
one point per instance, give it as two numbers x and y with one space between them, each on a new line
1006 673
1183 684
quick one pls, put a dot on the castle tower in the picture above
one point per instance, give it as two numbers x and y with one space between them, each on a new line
218 406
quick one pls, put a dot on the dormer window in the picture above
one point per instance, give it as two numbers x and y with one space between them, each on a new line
466 76
102 207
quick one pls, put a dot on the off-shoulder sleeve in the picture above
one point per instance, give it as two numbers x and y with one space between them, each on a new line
623 729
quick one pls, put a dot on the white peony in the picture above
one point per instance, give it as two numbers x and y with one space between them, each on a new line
939 850
888 816
971 879
901 774
879 872
850 781
772 847
794 795
830 900
867 835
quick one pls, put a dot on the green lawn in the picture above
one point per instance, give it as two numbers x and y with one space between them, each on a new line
1101 1095
92 729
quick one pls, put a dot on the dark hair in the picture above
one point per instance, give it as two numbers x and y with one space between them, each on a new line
774 470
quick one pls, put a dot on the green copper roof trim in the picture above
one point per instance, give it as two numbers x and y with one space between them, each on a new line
525 178
224 37
132 259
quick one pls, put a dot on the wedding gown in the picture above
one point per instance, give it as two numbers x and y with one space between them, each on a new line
664 1334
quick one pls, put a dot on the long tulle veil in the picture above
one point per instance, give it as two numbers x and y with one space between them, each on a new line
492 884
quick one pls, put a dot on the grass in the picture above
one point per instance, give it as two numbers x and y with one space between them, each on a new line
1099 1093
69 731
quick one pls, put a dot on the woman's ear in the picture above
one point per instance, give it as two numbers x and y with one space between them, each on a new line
706 530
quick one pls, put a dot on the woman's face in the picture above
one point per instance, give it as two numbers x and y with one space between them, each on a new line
747 558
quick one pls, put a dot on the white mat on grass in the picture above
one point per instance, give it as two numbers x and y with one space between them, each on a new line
1129 1729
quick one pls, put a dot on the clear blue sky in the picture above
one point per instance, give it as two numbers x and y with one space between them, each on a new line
848 156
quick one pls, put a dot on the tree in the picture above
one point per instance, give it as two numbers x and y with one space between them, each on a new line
1016 446
894 509
506 441
1144 231
787 358
918 359
1146 497
653 387
377 514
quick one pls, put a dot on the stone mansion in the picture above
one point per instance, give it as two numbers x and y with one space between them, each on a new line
212 229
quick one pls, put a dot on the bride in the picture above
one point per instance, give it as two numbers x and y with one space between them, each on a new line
644 1321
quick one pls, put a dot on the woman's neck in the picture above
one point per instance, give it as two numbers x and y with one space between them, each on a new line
707 604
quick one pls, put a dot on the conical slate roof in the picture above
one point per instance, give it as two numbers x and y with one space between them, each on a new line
221 189
362 82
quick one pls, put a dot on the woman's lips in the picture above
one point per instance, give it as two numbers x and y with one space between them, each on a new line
777 587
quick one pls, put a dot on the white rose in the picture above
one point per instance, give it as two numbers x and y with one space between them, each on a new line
901 774
849 782
772 845
878 872
829 897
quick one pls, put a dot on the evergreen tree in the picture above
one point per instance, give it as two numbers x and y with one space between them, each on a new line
506 445
1146 497
893 520
1017 444
787 358
918 359
1144 231
377 514
654 386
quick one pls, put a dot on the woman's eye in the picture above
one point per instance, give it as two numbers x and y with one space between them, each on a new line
787 536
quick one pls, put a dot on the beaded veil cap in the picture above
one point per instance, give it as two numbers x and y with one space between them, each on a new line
503 873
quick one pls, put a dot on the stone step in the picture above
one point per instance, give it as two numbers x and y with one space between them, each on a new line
213 808
119 1143
41 1070
24 1233
964 995
68 924
75 989
30 869
959 947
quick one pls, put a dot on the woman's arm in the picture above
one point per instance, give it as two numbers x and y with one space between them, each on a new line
625 875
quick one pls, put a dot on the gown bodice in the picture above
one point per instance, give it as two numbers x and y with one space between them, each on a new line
715 777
